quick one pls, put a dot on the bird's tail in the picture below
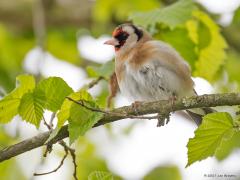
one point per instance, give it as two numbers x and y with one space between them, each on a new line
197 114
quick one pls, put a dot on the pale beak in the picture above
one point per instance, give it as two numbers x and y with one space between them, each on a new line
112 42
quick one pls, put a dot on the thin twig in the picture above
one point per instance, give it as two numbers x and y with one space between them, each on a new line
72 152
74 163
66 149
94 82
48 150
46 124
81 103
51 120
49 146
57 168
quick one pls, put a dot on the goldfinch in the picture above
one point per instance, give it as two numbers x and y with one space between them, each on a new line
148 69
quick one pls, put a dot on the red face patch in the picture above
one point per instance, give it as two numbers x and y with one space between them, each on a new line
117 31
121 36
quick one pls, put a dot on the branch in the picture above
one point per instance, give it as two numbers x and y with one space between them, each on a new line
120 115
162 107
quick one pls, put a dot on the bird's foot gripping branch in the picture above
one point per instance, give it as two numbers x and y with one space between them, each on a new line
81 112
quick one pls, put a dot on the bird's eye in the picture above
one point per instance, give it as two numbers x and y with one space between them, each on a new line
122 36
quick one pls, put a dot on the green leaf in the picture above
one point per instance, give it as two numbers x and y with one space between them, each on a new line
32 106
227 146
55 90
215 129
204 35
210 45
105 70
100 175
171 16
80 118
8 109
24 83
164 173
10 103
64 112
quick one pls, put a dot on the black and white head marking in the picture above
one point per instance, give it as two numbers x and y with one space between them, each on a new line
128 35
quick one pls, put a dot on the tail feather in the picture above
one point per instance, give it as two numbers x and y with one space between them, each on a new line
196 116
198 113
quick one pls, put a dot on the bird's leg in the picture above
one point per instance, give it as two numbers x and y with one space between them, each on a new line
135 106
172 99
113 88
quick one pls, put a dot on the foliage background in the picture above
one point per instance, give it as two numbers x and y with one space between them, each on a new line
64 38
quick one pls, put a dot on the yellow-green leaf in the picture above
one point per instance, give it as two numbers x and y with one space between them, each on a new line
227 146
31 107
64 112
210 45
215 129
10 103
55 90
80 118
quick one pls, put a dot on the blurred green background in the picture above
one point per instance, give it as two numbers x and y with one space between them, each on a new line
46 37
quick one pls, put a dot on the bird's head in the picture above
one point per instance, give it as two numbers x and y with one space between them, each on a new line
125 37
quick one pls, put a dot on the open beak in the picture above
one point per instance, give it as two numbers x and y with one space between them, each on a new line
112 42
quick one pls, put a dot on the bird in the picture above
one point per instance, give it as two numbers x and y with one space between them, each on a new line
151 70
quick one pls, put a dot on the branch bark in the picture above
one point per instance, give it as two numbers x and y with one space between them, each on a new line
162 107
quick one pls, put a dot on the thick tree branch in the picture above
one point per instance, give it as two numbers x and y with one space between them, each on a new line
162 107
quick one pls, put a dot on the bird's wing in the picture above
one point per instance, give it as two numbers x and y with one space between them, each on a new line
169 58
164 55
